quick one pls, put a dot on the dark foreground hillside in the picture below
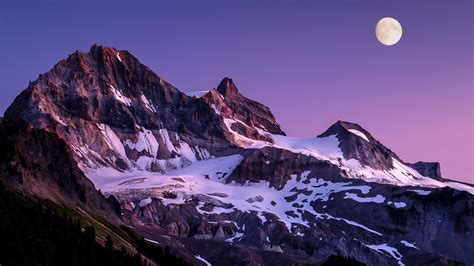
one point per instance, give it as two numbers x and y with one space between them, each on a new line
33 234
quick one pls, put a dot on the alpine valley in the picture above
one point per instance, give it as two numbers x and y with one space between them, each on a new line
210 178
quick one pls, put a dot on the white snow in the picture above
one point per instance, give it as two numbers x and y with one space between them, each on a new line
144 202
390 250
421 192
377 199
459 186
214 107
112 140
203 260
147 103
399 175
166 139
408 244
197 94
399 205
358 133
146 141
354 224
224 222
144 162
118 94
321 148
206 178
118 56
151 241
242 140
186 152
237 236
327 149
59 120
203 153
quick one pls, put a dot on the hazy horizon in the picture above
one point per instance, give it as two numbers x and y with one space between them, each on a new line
309 67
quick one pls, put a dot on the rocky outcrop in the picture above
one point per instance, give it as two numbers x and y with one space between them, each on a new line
277 166
244 116
431 169
244 109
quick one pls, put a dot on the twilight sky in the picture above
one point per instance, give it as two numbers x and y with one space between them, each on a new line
311 62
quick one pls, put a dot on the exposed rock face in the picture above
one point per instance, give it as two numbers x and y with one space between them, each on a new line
431 169
114 111
39 164
231 186
99 100
241 115
276 166
252 113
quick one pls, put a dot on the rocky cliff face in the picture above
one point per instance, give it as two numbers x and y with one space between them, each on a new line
215 176
114 111
431 169
253 116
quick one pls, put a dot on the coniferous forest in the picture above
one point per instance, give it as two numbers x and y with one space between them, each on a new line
34 234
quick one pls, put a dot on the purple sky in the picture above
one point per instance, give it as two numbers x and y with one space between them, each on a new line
311 62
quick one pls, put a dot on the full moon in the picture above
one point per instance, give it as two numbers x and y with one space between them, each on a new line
388 31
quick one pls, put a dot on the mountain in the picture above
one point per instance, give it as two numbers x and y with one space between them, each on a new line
213 176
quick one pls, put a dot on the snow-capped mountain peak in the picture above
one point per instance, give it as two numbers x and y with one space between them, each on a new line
115 112
217 166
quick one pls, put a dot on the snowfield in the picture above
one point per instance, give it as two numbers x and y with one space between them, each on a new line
206 178
326 149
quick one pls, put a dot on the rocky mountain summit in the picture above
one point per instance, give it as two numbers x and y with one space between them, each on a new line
213 175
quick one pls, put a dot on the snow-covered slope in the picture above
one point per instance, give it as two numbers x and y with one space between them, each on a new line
328 148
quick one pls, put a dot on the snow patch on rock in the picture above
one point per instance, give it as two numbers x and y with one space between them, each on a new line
118 94
146 141
145 202
408 244
420 192
377 199
148 103
203 260
112 140
359 134
388 249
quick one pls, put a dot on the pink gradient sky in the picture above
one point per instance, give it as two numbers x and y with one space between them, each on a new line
311 62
